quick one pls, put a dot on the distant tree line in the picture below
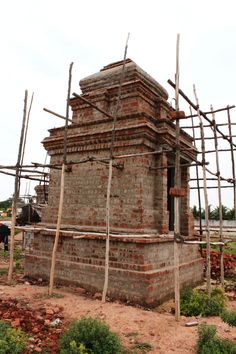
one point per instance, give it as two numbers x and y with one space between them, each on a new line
214 213
6 204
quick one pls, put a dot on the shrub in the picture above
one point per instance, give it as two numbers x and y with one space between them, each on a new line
209 343
229 317
89 336
194 302
12 341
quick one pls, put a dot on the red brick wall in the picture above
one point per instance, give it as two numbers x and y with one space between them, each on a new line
141 270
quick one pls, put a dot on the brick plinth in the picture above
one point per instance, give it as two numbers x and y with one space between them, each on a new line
141 269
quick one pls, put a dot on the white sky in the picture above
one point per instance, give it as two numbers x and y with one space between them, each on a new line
39 39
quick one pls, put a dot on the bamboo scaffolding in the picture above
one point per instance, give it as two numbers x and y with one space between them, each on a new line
54 251
200 112
219 198
208 250
16 192
232 159
177 183
105 287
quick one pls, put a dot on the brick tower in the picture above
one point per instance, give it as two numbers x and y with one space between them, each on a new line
142 211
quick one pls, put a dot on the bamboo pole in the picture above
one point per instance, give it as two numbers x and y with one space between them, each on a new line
57 115
219 199
218 137
106 276
22 176
26 129
212 187
197 175
16 193
62 187
177 185
204 125
208 250
219 150
210 112
232 159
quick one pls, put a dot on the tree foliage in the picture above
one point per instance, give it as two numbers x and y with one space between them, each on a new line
214 213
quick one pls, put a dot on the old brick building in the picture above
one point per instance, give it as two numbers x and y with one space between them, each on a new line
142 211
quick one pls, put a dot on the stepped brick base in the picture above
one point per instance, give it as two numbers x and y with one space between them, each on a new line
141 269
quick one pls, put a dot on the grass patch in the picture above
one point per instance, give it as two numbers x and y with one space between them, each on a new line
144 347
209 343
230 248
194 302
229 316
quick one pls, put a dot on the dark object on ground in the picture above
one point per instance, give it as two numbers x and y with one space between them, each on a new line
4 233
28 215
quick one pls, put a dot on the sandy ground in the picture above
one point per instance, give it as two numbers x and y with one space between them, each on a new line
133 324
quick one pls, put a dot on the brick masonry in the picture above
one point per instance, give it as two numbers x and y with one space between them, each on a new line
140 270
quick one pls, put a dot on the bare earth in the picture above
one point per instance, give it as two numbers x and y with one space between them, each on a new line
156 327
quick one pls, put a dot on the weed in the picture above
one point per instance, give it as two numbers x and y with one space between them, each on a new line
195 302
229 317
57 296
209 343
12 341
144 347
3 271
89 336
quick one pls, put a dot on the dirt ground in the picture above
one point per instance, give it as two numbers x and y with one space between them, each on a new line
44 318
134 325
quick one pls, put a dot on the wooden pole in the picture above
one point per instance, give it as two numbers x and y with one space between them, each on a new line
232 159
219 199
208 250
26 129
57 115
177 185
106 277
62 187
16 192
210 112
198 185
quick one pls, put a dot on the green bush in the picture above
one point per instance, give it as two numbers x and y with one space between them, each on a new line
89 336
12 341
209 343
229 317
194 302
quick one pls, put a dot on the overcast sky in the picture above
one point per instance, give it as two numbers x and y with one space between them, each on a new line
39 39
